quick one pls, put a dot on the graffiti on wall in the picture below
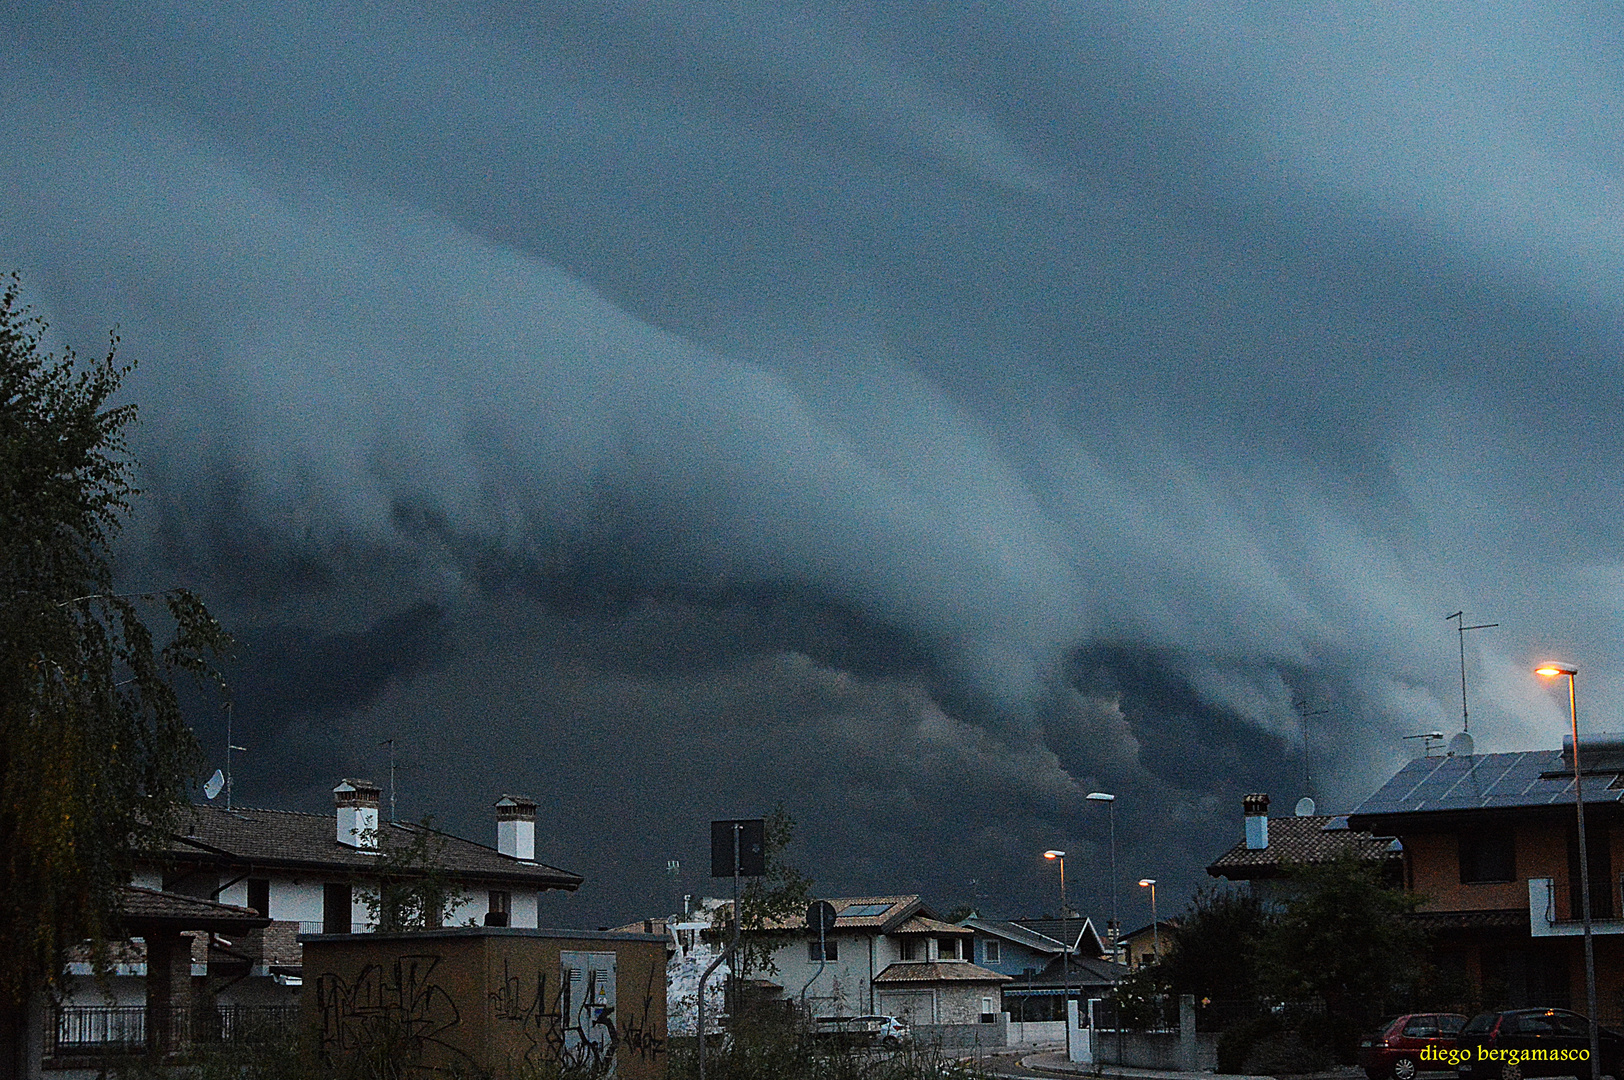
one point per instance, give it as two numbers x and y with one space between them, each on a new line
397 1012
575 1023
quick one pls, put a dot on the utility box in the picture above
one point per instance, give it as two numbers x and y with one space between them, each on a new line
504 1001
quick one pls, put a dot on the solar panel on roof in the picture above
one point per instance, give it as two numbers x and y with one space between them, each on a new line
1530 778
865 911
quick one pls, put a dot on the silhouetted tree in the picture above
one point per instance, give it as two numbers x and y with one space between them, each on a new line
94 754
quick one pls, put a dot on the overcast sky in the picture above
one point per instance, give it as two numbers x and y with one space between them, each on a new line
921 415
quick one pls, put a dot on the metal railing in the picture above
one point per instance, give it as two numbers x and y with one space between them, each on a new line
118 1029
1564 902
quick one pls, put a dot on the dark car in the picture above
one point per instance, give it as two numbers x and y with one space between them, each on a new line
1406 1045
1532 1042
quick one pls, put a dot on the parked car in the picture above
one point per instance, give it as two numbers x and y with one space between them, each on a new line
1395 1049
863 1030
1532 1042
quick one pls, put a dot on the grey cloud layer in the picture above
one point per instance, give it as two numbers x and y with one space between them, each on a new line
1254 338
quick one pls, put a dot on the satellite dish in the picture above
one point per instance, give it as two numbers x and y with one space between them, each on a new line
1461 746
1305 807
212 787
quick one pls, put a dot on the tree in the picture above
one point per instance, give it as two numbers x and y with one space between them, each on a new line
1213 954
773 902
1344 940
409 886
94 754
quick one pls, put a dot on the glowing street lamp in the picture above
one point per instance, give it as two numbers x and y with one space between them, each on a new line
1065 944
1552 671
1155 923
1116 917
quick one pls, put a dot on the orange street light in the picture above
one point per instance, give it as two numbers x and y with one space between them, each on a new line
1551 670
1054 855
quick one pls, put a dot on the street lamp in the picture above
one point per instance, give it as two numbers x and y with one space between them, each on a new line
1155 923
1116 917
1065 944
1552 671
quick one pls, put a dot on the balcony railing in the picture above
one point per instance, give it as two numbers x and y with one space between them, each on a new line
116 1029
1556 909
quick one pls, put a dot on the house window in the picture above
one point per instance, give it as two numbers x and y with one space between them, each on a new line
335 908
259 895
992 952
830 951
987 1014
913 948
499 912
948 949
1487 855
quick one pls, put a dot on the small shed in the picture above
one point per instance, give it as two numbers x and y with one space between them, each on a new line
505 1001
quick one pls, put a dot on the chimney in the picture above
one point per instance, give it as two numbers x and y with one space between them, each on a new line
516 827
1256 809
357 802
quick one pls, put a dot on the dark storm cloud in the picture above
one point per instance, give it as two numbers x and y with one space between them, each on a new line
1085 385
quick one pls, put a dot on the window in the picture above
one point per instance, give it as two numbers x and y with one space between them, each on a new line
949 948
259 895
831 951
1421 1027
992 952
913 949
1487 855
987 1014
500 910
335 908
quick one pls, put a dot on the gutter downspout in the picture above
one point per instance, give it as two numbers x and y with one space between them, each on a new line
871 973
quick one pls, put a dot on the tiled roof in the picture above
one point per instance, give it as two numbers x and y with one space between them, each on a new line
1015 932
1084 971
1315 839
945 971
889 912
1494 919
284 838
1081 931
140 907
924 924
1488 781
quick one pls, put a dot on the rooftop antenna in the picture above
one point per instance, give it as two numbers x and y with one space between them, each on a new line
391 744
229 748
1303 714
1460 632
1427 739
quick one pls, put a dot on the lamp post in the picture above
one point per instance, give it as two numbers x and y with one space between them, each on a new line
1065 945
1551 671
1116 917
1155 923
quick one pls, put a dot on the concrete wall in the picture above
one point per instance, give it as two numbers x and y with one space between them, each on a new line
492 998
1154 1050
965 1036
1036 1031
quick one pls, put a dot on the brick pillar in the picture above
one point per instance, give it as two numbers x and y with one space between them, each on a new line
169 987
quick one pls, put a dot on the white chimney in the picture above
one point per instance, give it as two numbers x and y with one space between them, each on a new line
516 827
1256 809
357 802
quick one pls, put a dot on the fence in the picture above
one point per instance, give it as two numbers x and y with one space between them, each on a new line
122 1029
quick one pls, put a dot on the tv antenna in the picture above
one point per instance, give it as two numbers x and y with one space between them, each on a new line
391 744
1460 632
1303 714
1428 738
230 746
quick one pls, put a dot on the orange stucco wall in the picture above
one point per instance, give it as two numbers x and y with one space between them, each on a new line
1432 867
486 997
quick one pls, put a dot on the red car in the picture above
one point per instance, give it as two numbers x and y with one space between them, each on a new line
1395 1048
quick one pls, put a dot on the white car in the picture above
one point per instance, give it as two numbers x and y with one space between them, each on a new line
864 1030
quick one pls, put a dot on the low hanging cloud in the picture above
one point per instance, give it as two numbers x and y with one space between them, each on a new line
982 405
